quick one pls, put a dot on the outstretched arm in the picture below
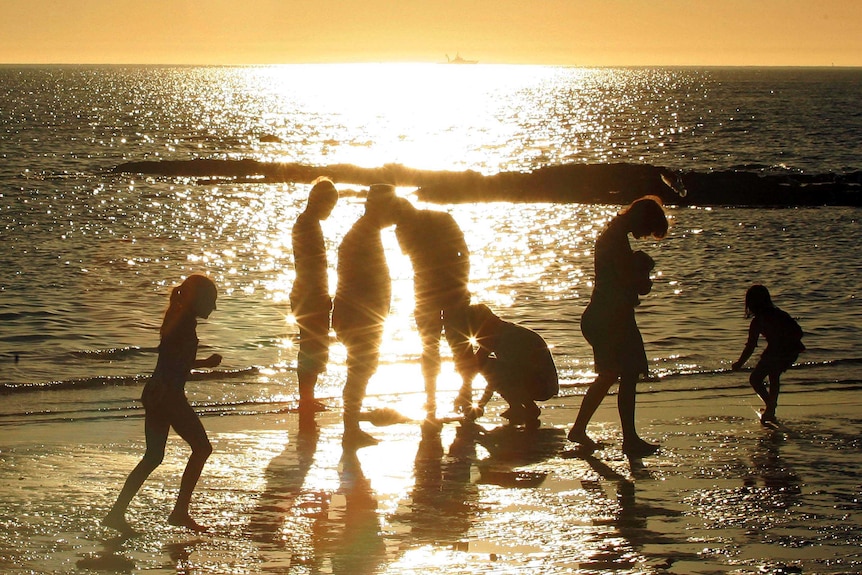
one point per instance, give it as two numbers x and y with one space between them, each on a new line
753 334
211 361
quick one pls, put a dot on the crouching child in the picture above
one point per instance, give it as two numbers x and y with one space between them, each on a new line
516 363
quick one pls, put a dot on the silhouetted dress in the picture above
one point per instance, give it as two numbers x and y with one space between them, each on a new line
608 323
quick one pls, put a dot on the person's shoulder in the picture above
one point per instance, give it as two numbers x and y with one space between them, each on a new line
435 216
786 318
522 330
775 313
305 222
303 218
612 234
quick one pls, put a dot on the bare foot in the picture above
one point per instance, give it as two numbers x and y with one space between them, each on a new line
431 425
118 522
311 406
581 438
639 448
356 439
768 418
185 520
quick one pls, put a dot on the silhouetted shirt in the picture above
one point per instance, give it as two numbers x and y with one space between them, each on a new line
783 335
177 351
522 355
309 256
364 287
441 262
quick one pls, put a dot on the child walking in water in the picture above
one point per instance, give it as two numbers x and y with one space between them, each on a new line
783 345
166 405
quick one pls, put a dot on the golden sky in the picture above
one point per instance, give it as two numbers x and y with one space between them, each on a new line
568 32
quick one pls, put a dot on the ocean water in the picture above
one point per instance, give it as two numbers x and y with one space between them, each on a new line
89 255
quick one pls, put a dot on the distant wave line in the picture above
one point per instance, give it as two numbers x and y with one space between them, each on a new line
214 375
117 380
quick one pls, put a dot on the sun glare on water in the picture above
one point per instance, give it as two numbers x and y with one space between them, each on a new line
420 115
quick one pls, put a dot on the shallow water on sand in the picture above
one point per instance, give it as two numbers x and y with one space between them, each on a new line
724 495
91 256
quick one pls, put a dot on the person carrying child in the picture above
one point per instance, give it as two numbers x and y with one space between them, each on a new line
516 363
608 323
783 346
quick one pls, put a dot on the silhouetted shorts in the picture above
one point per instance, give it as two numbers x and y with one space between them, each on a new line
773 363
313 342
165 402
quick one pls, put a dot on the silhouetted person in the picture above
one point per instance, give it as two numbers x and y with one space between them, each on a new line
783 345
441 270
516 363
608 323
166 405
309 297
361 304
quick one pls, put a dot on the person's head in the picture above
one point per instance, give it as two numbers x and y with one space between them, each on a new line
757 300
322 198
381 203
196 294
646 217
482 320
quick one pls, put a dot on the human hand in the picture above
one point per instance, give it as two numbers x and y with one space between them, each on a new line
463 403
212 361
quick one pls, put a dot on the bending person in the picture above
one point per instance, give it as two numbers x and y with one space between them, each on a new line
361 304
608 323
441 269
783 346
516 363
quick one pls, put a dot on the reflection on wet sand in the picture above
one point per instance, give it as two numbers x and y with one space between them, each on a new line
631 521
354 531
279 521
444 501
723 495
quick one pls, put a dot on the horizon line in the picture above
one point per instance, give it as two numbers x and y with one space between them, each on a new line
425 62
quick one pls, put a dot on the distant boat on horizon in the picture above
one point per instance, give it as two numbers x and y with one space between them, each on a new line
459 60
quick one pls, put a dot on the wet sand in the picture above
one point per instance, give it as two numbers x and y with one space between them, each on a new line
724 494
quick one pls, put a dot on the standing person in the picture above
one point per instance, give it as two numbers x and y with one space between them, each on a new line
608 323
441 270
516 363
361 304
309 296
783 345
166 405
